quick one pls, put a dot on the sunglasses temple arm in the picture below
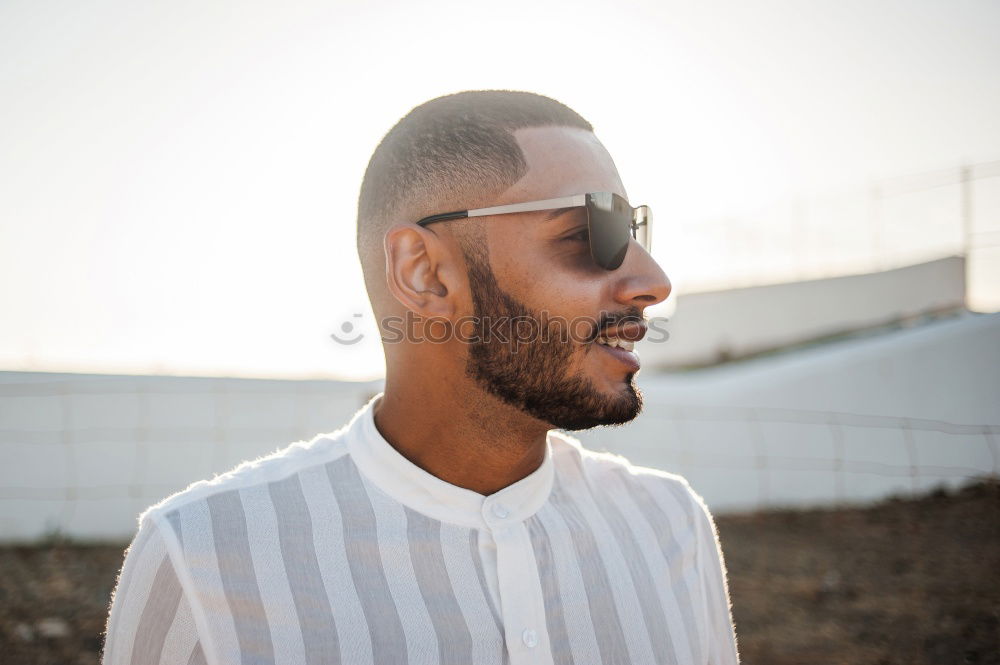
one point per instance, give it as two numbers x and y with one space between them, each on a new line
444 216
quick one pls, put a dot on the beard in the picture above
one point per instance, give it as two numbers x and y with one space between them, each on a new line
534 376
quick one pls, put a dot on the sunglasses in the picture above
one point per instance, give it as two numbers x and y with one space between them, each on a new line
611 222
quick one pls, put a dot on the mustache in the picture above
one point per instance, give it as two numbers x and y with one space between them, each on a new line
611 319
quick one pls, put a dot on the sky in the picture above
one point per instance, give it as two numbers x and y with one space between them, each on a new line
178 180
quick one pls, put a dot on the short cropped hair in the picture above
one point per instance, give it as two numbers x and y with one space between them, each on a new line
444 149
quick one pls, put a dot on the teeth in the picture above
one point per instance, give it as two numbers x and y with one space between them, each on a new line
614 341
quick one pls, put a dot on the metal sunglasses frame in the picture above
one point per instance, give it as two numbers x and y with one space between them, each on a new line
642 216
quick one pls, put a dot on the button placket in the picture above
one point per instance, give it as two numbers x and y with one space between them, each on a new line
521 596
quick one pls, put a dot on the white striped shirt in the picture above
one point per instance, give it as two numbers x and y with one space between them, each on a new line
340 550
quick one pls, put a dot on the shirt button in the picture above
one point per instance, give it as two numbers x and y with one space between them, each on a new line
530 638
500 511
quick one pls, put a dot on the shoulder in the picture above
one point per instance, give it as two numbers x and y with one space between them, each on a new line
654 490
247 479
666 501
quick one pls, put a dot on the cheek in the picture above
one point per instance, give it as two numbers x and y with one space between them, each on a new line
544 284
574 306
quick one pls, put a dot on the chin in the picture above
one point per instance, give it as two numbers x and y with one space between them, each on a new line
619 408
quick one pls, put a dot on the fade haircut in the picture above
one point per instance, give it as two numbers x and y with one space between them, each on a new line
454 151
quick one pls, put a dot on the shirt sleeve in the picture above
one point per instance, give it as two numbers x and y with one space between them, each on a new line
722 647
150 620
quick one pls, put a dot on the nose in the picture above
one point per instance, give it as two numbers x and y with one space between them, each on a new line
639 280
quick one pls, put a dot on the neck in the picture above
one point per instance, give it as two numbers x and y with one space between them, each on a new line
459 433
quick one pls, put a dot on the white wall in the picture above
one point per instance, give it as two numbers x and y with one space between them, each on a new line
86 454
847 421
748 320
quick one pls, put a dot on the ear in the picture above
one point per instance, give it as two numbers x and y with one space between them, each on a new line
420 270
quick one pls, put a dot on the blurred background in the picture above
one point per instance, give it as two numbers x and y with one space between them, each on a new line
178 188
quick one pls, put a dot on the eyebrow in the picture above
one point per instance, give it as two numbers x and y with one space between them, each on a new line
558 212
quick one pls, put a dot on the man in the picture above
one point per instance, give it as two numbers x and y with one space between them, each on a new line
449 522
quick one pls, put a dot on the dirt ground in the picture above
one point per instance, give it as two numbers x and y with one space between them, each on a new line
902 582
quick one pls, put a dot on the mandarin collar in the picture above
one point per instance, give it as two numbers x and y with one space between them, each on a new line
407 483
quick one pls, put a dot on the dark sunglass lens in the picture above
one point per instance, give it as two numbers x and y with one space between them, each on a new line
610 220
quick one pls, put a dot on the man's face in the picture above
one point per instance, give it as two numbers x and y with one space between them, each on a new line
540 268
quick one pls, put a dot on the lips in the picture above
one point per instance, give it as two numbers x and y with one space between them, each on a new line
628 358
618 341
